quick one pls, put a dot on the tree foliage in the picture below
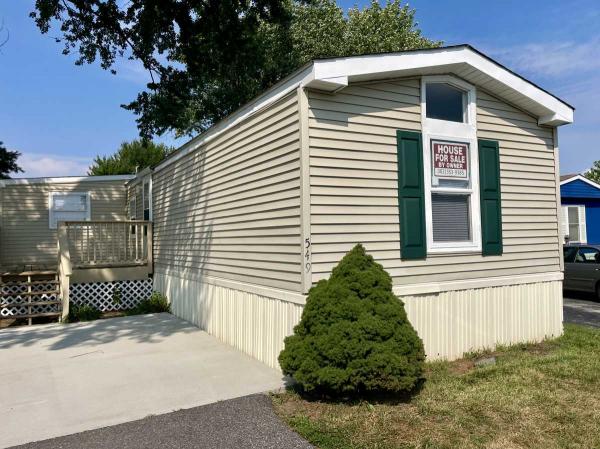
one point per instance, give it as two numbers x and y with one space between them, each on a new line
354 336
137 154
208 58
594 172
8 162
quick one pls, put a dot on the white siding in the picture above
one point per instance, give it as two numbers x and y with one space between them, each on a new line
354 196
231 209
455 322
253 323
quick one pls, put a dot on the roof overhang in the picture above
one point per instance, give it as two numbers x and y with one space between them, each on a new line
332 75
65 179
580 178
463 61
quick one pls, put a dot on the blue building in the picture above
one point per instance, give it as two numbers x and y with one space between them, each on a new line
580 199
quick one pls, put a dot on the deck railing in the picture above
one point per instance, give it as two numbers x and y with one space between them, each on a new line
109 243
101 244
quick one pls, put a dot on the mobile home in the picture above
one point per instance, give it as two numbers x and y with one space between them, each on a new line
441 162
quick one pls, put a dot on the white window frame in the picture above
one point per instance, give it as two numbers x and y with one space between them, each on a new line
581 222
149 182
53 194
434 129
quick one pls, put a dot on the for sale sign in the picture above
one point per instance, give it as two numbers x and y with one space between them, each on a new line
450 160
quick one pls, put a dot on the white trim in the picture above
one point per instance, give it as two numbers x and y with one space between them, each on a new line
433 129
270 292
335 74
581 222
439 287
581 178
305 235
559 215
400 290
65 179
52 194
549 109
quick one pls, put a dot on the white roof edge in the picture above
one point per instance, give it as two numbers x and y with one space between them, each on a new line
330 70
580 178
65 179
334 74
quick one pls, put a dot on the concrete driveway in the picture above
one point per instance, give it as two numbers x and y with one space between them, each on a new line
62 379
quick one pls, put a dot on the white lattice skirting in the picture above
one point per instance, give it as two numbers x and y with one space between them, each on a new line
111 296
14 295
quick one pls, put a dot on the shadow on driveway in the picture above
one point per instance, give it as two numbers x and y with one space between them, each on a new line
63 336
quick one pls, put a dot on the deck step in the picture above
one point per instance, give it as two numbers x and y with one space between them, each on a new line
40 293
25 283
28 304
33 315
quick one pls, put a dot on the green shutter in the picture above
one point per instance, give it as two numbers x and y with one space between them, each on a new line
411 196
489 191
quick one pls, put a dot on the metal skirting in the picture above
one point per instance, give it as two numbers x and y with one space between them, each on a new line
450 323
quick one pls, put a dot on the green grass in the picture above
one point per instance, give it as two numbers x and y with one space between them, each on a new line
535 396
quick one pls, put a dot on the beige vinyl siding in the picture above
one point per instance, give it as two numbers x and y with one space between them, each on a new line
231 209
135 189
25 236
354 198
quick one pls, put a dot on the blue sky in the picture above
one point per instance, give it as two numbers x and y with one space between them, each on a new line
60 116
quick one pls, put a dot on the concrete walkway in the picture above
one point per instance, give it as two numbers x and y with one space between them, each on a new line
62 379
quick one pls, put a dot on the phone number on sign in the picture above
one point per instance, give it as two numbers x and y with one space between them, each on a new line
451 172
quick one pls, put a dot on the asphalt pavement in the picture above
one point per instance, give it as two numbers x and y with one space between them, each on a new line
248 422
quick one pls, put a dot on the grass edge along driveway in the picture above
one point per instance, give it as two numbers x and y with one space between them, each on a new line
543 395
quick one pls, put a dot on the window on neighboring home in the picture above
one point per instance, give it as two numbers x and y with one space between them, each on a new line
68 206
574 227
450 161
147 199
446 102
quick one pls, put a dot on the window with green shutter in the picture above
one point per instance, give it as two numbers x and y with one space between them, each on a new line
411 195
489 192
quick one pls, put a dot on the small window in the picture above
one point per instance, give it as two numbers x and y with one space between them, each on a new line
588 255
147 200
68 206
132 208
574 224
445 102
451 218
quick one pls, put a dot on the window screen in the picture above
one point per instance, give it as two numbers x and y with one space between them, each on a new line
68 207
451 218
146 201
445 102
573 224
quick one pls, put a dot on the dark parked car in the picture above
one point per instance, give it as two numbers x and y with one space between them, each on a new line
582 268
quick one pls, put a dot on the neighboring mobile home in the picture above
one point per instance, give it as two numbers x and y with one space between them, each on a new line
31 208
580 199
441 162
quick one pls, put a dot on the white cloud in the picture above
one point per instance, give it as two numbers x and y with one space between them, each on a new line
553 59
41 165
